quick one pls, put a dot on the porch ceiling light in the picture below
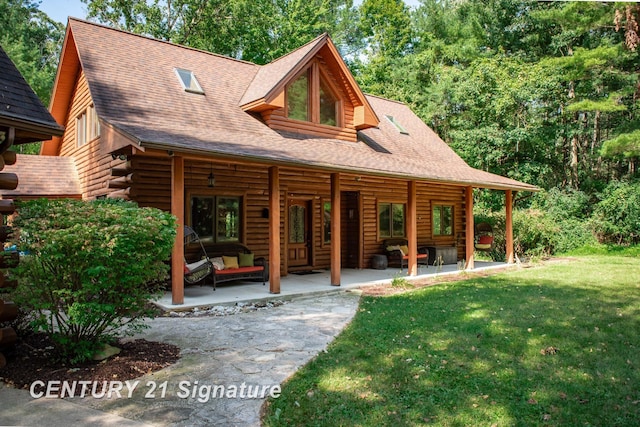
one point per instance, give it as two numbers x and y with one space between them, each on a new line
211 180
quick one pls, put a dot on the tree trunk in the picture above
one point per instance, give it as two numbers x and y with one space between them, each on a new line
596 131
573 162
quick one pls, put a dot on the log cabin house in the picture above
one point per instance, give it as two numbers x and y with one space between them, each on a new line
290 158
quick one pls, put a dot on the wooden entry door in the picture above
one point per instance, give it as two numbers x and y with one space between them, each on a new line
299 253
351 229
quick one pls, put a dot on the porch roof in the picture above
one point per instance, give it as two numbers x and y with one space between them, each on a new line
60 180
134 88
21 108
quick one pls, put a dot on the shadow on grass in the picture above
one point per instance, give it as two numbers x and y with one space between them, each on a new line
515 349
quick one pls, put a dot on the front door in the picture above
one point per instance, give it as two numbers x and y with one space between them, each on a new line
299 233
350 215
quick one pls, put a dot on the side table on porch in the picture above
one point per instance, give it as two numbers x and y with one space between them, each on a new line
449 254
379 262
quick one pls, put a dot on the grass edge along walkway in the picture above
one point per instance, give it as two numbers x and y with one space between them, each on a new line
551 345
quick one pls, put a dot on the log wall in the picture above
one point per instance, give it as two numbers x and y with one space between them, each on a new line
93 165
150 186
8 310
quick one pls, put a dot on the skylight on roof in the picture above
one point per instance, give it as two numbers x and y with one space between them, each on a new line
188 81
397 124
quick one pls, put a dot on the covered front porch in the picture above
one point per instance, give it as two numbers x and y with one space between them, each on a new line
299 219
307 285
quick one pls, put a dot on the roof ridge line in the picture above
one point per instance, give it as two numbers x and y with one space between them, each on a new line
219 55
386 99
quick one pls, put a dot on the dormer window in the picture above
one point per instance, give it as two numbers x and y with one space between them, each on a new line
311 98
397 125
188 81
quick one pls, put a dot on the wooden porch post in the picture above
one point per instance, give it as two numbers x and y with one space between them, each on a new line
509 225
412 228
335 230
177 209
274 230
470 230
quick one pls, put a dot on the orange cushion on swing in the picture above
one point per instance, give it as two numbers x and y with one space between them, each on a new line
485 240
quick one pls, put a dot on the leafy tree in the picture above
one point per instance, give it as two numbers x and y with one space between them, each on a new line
33 41
387 27
617 216
627 145
527 90
253 30
91 268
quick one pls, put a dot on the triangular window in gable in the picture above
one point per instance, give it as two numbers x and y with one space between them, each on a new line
328 105
311 97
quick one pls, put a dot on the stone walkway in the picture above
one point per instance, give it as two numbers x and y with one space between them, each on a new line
259 349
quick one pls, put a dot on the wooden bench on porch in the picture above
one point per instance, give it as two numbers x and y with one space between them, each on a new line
233 261
397 251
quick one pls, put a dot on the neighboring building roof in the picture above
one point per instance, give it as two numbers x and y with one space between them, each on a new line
134 88
59 179
21 108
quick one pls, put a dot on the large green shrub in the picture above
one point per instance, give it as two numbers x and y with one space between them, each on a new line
91 268
616 218
563 204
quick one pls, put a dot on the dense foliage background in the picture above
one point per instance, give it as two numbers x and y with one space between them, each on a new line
543 92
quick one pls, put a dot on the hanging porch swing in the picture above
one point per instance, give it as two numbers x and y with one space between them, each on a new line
197 271
484 237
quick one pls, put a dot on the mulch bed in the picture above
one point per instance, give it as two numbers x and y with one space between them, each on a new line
33 358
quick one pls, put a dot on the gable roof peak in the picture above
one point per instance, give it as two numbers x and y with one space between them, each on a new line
267 88
319 41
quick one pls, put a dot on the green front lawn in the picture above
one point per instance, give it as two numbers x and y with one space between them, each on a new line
551 345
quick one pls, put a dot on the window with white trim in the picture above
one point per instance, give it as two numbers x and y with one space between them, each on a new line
87 126
394 121
188 81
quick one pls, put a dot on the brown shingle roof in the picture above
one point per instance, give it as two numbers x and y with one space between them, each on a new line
134 87
43 176
20 107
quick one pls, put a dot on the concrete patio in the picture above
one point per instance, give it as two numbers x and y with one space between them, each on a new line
296 285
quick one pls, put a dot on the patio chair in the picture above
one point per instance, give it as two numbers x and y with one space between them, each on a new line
197 271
